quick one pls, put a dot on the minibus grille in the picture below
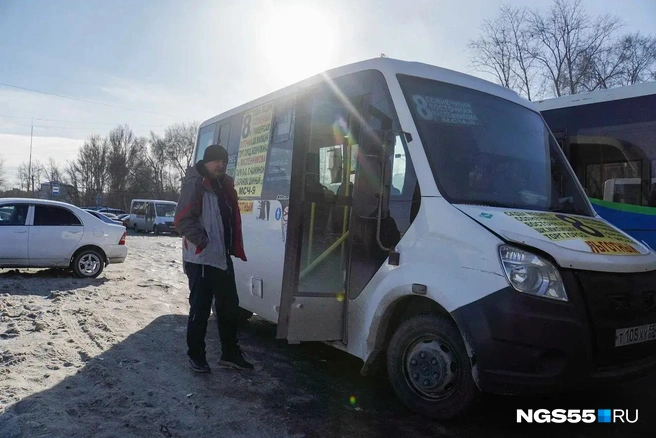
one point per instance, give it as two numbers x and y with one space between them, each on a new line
618 301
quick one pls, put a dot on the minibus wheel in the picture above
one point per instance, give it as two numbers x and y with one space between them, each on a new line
429 368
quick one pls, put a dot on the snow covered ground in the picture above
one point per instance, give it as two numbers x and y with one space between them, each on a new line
106 358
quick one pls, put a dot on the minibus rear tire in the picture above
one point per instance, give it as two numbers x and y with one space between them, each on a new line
419 356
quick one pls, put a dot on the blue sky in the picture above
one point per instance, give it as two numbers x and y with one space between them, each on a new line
189 60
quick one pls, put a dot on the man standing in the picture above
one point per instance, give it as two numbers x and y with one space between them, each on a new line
209 221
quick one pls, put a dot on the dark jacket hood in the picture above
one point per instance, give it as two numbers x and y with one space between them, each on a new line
195 171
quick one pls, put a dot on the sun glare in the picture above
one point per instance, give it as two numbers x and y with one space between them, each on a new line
298 41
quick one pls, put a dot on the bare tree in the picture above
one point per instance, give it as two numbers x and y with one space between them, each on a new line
569 42
627 61
89 171
23 176
493 52
158 162
180 139
605 68
562 51
524 65
73 180
124 166
639 58
506 50
38 173
52 171
126 153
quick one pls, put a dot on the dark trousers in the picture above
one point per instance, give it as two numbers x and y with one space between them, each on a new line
207 283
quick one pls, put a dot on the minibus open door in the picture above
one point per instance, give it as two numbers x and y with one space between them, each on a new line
324 256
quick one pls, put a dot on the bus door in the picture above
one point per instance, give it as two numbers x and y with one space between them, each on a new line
337 167
150 216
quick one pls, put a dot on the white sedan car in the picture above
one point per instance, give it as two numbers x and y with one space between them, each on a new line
36 233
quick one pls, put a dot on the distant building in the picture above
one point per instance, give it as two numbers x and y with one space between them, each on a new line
57 191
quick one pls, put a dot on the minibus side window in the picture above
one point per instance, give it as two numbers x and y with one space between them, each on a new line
224 134
232 142
404 186
205 138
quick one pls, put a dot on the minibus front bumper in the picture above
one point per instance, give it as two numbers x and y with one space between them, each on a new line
526 344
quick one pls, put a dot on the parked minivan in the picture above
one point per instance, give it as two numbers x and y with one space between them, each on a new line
152 215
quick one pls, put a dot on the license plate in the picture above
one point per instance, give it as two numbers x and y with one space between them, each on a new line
635 335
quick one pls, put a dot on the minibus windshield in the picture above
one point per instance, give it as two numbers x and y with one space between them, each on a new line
485 150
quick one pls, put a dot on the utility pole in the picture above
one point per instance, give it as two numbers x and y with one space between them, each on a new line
30 177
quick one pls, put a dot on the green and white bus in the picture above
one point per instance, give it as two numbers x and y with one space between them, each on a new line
609 137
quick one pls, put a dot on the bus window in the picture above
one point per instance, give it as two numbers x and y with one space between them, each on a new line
205 138
330 165
593 185
282 123
609 168
232 143
398 168
610 146
224 134
278 171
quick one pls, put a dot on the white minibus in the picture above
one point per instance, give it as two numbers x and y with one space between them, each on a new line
428 220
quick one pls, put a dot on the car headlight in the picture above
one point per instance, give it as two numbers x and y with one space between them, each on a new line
531 274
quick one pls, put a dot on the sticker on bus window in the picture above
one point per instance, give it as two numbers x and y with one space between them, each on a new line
245 207
600 237
253 150
436 109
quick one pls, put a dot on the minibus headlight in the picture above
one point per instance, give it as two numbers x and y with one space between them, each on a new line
531 274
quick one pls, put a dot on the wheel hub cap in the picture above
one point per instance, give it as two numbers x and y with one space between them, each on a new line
431 368
89 264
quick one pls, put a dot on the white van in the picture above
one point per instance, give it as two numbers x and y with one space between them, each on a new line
427 219
152 215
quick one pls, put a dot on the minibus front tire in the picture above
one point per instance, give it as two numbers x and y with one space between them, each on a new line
429 368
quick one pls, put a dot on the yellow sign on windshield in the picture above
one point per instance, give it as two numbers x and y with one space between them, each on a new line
599 236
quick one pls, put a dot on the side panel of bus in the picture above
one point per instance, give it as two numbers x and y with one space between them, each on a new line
309 170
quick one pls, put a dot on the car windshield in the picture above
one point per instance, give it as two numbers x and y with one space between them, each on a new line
486 150
165 210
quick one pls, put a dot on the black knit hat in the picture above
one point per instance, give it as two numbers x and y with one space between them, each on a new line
215 152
